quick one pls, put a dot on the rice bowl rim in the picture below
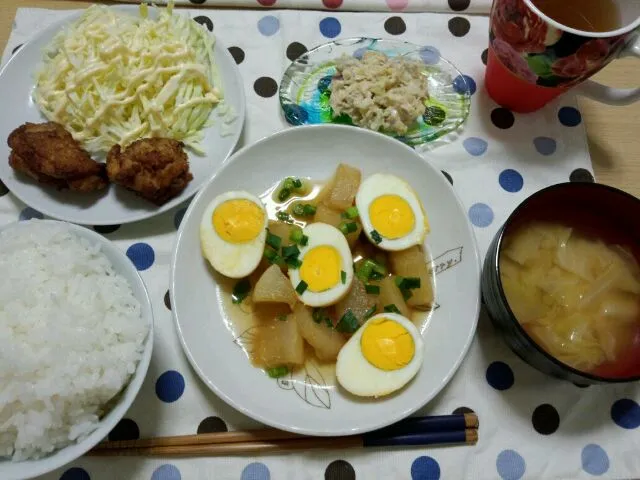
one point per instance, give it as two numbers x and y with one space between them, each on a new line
10 470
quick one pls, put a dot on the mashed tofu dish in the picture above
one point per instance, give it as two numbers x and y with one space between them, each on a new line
378 92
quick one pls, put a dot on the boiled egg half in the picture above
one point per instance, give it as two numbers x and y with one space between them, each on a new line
326 271
381 357
391 213
233 231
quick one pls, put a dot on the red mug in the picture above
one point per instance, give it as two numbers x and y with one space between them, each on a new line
532 58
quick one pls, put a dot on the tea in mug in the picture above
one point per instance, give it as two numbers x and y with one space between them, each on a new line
584 15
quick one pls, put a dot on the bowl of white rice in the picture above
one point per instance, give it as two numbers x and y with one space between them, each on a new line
76 334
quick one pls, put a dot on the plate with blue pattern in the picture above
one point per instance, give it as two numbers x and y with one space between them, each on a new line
305 89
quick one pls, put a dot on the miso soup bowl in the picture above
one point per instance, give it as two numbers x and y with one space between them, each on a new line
621 209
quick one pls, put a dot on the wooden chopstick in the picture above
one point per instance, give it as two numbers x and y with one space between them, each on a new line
470 437
413 431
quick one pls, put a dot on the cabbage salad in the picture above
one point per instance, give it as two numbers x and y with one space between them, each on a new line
111 78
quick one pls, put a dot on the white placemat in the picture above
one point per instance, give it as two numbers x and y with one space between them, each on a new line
531 426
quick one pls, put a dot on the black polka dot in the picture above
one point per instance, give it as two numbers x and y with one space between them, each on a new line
198 2
459 5
581 175
126 429
339 470
16 48
581 385
167 300
265 87
462 410
448 177
3 189
502 118
485 54
545 419
295 49
106 228
206 21
212 425
395 26
237 53
459 26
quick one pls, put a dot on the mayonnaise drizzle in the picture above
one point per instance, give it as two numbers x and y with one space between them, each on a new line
112 78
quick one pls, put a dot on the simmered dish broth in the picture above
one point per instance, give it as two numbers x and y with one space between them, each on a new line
576 293
336 255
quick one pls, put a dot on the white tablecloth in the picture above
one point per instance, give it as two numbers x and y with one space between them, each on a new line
531 426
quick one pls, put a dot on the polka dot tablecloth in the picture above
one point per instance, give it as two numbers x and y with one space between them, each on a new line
468 6
531 426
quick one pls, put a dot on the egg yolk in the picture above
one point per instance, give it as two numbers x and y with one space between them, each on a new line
391 216
321 267
387 345
238 221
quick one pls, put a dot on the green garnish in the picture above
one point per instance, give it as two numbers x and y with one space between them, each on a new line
303 210
369 313
348 227
288 183
372 289
272 256
296 235
284 217
343 276
273 240
293 262
376 276
376 267
376 237
284 194
391 308
406 294
277 372
302 286
348 323
370 270
291 251
350 213
297 183
304 241
407 283
320 315
241 290
282 318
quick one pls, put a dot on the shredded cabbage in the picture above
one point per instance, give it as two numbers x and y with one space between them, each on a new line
111 78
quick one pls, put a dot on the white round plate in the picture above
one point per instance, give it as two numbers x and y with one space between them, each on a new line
305 403
123 266
115 205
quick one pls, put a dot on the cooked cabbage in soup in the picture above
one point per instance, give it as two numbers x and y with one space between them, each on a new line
575 295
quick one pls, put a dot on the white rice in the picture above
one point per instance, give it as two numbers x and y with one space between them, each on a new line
71 335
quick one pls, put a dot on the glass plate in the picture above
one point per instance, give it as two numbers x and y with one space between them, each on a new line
305 88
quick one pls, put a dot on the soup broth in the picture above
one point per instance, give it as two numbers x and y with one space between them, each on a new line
575 289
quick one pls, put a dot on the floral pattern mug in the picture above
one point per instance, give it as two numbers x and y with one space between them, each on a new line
532 58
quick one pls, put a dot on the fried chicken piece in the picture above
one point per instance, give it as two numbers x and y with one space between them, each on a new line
48 153
157 169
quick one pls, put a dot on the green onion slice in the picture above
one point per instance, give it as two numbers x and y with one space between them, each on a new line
302 287
348 323
241 290
391 308
277 372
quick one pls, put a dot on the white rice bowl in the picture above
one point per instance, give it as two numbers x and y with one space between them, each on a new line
75 330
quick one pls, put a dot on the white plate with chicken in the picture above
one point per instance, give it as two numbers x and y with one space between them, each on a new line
117 114
326 281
